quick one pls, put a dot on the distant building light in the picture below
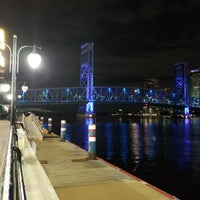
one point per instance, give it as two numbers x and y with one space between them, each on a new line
9 96
4 87
6 108
194 70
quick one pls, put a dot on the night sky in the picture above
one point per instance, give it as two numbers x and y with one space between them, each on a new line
134 39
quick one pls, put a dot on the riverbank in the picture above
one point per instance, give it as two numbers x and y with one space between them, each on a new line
73 176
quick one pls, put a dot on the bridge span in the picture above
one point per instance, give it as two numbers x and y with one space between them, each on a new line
104 98
100 95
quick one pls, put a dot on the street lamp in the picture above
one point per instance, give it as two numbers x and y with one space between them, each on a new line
24 90
14 68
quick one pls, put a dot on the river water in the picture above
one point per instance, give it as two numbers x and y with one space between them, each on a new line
163 152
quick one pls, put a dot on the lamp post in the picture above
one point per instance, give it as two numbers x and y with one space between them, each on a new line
24 90
34 60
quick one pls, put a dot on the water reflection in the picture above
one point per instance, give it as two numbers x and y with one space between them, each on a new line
123 132
136 144
109 141
165 153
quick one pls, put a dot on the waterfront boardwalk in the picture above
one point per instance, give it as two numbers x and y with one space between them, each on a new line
4 138
66 173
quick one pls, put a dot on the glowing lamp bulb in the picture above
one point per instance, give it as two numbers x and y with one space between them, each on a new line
34 60
24 88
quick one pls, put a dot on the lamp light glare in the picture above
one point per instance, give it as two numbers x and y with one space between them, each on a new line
4 87
34 60
9 96
2 60
2 39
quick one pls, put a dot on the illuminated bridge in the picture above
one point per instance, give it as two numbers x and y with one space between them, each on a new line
89 95
100 95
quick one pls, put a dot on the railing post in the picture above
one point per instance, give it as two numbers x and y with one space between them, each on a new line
49 125
63 130
92 141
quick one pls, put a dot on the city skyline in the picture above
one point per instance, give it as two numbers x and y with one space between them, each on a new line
132 40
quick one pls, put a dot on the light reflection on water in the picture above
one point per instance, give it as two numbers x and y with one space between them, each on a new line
108 141
165 153
162 152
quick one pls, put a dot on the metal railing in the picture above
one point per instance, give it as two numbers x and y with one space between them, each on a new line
6 179
12 187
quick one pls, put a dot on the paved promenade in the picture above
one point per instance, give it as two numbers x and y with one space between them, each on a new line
4 138
37 183
74 177
65 167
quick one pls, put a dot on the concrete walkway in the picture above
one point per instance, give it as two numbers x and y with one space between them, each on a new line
4 138
64 168
74 177
37 184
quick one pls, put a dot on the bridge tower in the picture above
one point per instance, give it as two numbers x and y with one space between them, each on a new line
86 75
181 85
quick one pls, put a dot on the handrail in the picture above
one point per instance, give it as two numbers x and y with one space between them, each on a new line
7 173
20 189
13 182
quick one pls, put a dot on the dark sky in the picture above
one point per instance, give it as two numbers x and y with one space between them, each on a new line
134 39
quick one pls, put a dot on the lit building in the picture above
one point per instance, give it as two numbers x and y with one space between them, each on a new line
181 83
152 83
194 86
